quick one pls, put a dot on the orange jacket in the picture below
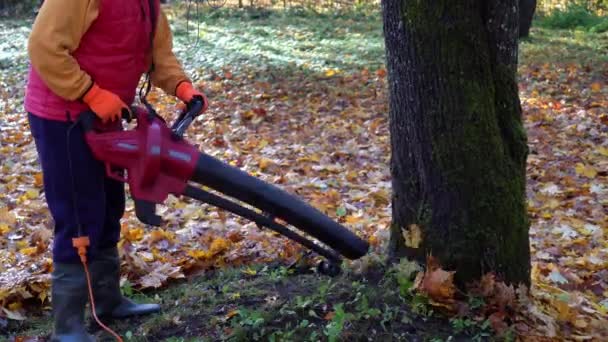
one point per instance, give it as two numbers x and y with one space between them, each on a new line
56 33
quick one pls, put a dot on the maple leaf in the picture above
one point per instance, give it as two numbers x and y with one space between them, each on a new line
497 321
7 217
437 283
596 87
586 170
133 234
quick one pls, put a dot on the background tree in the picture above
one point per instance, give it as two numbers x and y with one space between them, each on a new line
526 14
459 147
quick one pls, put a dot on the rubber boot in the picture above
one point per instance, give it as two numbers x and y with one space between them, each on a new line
69 295
109 301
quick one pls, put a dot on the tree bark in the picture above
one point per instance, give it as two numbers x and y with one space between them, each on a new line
459 147
526 14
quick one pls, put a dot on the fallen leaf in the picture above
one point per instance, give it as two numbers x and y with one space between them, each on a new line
586 170
250 271
557 277
412 236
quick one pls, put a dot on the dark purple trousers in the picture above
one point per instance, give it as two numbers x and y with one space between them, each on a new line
80 194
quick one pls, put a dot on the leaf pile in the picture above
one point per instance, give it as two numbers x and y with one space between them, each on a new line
567 122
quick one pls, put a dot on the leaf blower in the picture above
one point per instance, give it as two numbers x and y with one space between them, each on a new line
155 160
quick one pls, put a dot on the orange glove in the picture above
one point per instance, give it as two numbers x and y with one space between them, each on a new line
105 104
186 92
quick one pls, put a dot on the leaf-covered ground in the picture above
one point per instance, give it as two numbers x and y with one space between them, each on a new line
300 101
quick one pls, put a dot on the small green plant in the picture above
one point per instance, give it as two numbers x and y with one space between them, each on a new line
462 325
484 333
323 290
248 325
389 314
364 311
334 329
421 306
476 302
303 303
249 318
278 274
175 339
127 289
404 273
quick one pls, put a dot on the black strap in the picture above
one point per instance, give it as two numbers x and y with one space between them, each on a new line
143 93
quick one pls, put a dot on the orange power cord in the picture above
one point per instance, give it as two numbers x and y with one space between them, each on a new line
81 243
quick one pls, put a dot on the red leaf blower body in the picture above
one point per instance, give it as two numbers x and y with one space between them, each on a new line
158 162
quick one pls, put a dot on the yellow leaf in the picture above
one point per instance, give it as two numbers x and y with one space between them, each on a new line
580 323
603 151
263 163
330 72
232 313
219 245
564 313
585 170
42 296
7 217
263 144
134 234
29 251
199 254
352 176
373 240
596 87
250 271
14 306
553 203
32 194
412 236
4 228
160 234
350 219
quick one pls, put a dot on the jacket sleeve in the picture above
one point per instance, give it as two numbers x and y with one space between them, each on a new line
55 35
168 71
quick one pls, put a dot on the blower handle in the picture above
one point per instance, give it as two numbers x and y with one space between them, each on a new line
187 117
89 118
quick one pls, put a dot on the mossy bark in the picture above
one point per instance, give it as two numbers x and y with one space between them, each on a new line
458 143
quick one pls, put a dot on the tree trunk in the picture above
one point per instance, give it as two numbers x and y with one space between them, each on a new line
526 14
459 147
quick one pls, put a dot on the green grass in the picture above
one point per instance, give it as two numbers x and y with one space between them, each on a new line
276 303
564 46
575 16
294 40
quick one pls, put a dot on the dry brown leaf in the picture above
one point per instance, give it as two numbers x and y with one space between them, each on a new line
412 235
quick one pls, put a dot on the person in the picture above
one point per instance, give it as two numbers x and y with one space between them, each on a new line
91 55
